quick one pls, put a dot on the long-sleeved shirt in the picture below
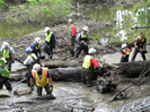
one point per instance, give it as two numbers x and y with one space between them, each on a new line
29 60
33 47
12 52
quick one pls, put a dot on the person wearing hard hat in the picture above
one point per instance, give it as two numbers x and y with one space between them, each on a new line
72 30
125 53
36 47
29 62
49 42
4 75
82 40
89 65
8 53
42 79
140 46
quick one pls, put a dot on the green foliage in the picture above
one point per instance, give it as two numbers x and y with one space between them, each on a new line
1 2
41 11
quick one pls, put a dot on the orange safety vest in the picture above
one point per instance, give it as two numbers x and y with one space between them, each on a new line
126 52
44 80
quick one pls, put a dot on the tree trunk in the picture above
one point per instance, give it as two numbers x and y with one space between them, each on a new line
60 74
133 68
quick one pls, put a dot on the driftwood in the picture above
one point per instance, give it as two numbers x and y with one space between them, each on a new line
65 73
133 68
59 63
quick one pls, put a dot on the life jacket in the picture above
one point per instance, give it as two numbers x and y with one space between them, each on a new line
87 61
37 46
6 53
44 80
83 36
48 37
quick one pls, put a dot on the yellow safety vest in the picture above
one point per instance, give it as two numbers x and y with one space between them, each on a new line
83 36
87 61
141 40
6 54
44 80
48 37
37 46
70 27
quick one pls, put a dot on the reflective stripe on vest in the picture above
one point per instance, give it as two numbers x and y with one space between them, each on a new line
70 27
44 80
87 61
83 35
6 54
37 46
48 37
126 52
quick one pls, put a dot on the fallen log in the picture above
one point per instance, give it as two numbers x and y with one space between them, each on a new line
60 74
133 69
60 63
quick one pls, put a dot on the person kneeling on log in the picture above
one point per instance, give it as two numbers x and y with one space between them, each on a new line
88 66
42 79
125 53
29 62
4 75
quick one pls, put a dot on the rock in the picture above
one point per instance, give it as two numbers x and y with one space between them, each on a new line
4 93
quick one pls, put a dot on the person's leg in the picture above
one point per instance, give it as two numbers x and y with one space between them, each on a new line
47 89
89 75
134 54
85 49
143 56
39 90
8 85
83 74
1 84
72 46
78 51
9 60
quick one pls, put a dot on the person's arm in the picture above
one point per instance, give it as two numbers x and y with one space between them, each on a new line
32 46
87 38
135 43
78 38
27 61
73 31
50 79
12 53
123 54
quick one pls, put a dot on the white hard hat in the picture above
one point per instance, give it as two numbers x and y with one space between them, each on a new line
70 21
91 51
38 40
4 60
5 44
85 28
46 29
36 67
123 46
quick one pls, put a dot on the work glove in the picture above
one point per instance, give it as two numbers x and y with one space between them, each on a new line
32 87
51 88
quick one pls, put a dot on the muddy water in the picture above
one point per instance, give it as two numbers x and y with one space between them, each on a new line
9 30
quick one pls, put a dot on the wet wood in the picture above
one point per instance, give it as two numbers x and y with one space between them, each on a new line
133 68
60 63
80 107
22 91
61 74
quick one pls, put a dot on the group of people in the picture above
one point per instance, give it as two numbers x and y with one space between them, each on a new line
41 74
140 47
